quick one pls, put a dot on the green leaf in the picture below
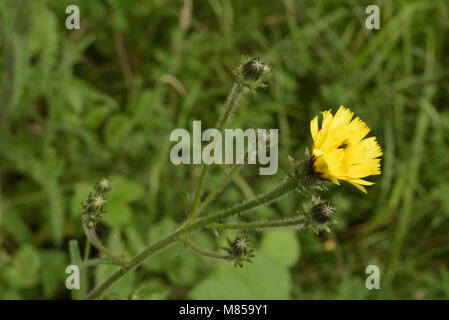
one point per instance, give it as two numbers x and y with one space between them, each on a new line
54 263
264 279
95 116
75 254
23 272
15 226
98 261
118 213
154 289
282 246
56 212
186 268
222 285
81 191
125 189
116 131
161 261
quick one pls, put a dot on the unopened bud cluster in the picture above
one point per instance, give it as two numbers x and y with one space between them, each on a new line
95 204
240 250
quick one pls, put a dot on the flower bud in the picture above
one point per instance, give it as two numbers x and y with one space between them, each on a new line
93 208
253 69
323 212
103 186
240 250
252 74
309 183
94 203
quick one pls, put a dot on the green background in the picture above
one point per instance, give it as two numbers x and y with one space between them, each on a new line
77 105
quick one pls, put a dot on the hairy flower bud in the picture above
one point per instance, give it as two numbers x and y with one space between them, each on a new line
240 250
301 171
323 212
93 208
252 73
253 69
103 186
95 205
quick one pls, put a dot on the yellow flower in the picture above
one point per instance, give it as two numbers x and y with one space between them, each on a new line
340 151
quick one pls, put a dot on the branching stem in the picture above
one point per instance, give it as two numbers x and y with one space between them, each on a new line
264 199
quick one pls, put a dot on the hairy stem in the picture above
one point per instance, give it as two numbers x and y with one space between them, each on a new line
236 95
295 222
83 286
95 240
211 196
203 252
264 199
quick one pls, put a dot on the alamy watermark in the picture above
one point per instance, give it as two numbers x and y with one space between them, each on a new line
73 280
373 280
73 20
234 147
372 21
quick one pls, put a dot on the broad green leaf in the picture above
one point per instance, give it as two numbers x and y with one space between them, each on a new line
282 246
118 213
53 274
125 189
187 267
153 289
160 261
24 271
264 279
222 285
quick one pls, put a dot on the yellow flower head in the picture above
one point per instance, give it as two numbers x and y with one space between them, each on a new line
340 151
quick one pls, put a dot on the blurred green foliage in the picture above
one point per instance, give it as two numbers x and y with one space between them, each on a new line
101 101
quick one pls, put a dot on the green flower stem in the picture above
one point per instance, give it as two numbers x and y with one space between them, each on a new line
95 240
238 92
83 284
295 222
264 199
204 252
211 196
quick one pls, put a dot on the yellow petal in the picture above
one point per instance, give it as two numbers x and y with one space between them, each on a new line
358 186
317 152
327 120
335 180
314 128
361 181
342 117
